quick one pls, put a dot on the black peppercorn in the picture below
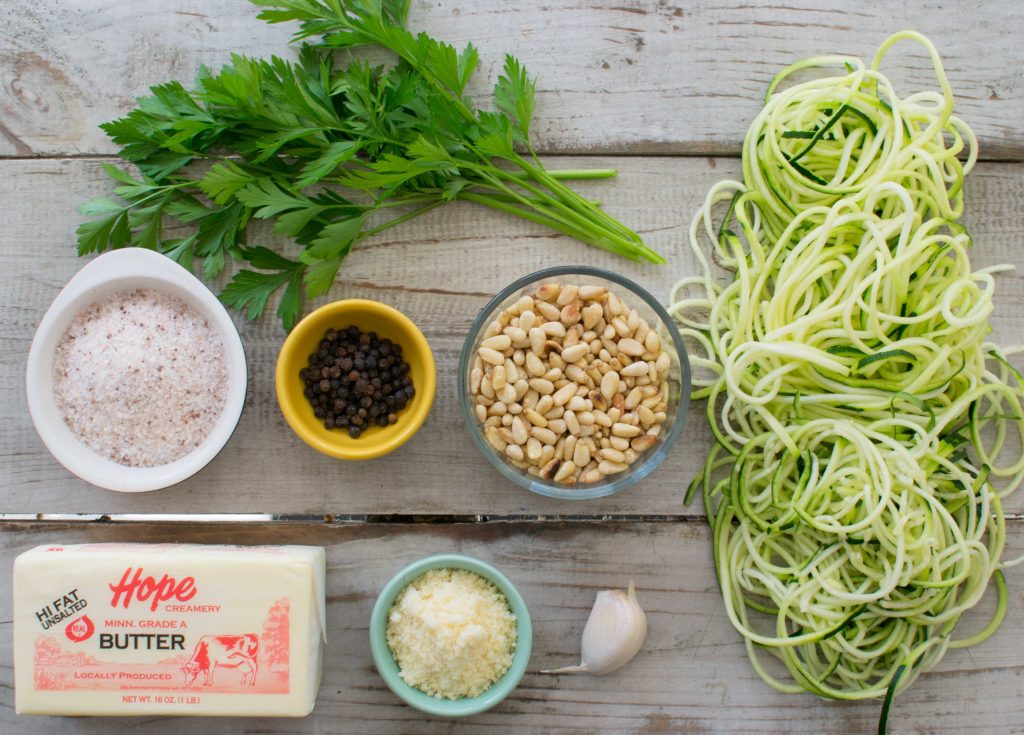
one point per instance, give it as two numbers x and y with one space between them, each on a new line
355 380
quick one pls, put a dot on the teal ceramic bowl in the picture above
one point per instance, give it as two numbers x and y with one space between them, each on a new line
388 669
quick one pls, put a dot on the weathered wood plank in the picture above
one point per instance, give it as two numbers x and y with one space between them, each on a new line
440 270
615 76
692 675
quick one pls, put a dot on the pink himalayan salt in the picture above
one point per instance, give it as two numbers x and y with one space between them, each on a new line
140 377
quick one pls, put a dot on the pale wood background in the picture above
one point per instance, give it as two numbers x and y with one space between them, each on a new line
663 92
692 675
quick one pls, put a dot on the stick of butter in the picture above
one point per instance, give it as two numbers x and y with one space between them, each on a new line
147 629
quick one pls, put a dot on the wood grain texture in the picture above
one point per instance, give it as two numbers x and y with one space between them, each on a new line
440 270
616 76
692 675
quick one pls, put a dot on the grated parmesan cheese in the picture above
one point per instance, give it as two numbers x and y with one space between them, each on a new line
452 633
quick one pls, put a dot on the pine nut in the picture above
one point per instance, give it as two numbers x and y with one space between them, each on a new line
498 342
563 394
625 430
646 416
553 329
619 443
549 311
611 468
491 356
570 313
535 418
492 329
581 454
507 393
537 341
609 385
612 455
575 352
564 470
517 336
642 443
546 436
550 469
520 431
542 386
534 366
548 291
631 347
635 370
567 294
566 380
592 315
495 441
571 423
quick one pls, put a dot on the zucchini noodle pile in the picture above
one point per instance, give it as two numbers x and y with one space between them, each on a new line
866 432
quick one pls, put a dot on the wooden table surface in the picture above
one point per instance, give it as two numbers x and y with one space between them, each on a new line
661 91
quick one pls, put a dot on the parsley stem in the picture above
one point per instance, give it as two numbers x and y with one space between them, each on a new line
583 174
595 239
401 218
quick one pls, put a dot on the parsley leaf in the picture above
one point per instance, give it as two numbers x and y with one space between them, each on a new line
331 150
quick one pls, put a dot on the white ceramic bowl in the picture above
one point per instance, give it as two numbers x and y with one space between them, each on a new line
121 270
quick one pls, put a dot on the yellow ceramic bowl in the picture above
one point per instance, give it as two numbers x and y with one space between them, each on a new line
369 316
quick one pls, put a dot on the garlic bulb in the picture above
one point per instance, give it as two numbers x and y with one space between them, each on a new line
613 634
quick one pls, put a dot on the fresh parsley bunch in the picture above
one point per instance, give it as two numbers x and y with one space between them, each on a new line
332 153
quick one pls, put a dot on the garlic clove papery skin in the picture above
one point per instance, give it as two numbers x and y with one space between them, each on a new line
614 632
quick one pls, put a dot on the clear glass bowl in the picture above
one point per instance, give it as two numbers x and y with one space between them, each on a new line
657 318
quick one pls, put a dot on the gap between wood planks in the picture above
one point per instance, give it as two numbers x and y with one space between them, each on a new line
710 152
359 519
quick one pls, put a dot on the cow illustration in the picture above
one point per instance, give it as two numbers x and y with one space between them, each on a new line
226 651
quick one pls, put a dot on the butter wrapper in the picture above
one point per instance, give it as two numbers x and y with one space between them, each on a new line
169 629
